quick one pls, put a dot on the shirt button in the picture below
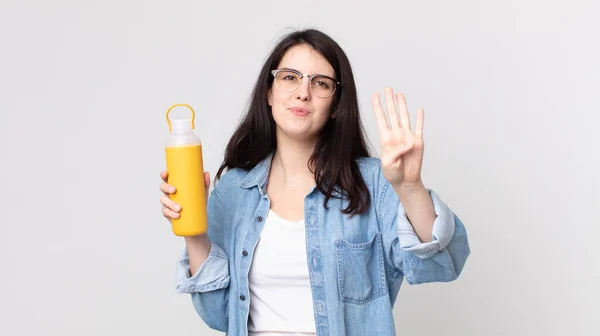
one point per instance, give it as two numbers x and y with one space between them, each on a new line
243 298
259 218
244 253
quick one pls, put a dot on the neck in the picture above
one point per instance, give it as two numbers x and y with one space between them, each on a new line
290 162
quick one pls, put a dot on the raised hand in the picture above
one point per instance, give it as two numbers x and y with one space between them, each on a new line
401 148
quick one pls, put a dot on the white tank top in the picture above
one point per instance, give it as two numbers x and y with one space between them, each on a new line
280 295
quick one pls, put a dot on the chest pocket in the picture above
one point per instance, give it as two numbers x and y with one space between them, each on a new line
361 271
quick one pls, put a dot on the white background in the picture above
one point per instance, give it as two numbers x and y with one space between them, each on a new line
510 92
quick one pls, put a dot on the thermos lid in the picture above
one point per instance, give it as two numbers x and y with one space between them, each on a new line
181 125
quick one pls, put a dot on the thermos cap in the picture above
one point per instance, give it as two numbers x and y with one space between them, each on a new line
181 125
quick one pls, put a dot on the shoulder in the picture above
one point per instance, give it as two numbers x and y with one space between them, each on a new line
230 179
228 184
370 170
369 165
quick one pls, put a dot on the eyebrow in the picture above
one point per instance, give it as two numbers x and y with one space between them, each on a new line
286 68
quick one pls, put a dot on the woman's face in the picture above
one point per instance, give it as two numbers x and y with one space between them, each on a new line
300 114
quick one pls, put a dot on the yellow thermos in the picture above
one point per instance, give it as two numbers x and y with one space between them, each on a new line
183 151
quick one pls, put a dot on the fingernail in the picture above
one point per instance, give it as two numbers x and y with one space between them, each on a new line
171 189
177 207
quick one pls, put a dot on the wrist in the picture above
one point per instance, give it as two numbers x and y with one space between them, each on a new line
197 240
410 191
409 187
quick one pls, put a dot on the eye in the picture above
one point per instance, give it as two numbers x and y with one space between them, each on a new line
322 84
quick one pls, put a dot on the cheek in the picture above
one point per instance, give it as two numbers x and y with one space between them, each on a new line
326 109
277 99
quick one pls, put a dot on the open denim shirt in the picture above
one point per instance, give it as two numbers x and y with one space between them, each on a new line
356 265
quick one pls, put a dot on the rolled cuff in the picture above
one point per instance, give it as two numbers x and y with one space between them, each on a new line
443 230
213 274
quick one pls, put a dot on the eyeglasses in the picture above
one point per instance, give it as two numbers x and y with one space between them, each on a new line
288 80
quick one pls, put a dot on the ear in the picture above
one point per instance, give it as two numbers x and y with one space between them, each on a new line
270 98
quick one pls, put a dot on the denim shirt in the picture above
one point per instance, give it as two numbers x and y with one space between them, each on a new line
356 264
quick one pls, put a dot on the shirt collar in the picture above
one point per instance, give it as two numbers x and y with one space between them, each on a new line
257 176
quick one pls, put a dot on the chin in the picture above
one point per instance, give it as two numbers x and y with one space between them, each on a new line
297 133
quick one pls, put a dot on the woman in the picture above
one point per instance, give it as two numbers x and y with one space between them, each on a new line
307 233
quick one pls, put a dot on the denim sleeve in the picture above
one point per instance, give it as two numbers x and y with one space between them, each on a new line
441 260
209 285
443 230
213 273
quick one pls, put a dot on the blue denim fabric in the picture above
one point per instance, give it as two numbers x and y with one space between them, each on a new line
356 265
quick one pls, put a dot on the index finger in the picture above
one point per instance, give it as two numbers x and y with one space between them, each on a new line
164 175
379 116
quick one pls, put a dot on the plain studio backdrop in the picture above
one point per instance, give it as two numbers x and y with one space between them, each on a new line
510 92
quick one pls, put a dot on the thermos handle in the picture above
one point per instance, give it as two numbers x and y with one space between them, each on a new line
184 105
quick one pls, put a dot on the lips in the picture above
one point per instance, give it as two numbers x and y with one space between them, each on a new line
301 112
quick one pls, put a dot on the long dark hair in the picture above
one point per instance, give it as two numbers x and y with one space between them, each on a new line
341 141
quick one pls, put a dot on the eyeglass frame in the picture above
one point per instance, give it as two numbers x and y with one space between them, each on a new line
310 77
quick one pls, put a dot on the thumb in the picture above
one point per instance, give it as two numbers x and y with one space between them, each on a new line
206 180
206 185
401 151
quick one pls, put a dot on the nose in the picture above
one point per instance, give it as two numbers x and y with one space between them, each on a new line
303 91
